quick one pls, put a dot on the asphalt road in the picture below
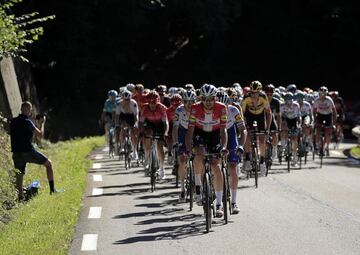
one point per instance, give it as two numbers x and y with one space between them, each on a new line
307 211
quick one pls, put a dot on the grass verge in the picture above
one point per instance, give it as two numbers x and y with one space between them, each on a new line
355 152
46 224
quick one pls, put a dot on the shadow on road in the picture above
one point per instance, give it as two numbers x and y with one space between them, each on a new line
169 211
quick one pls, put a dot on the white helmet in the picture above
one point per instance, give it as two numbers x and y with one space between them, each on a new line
208 90
189 96
126 94
173 90
130 87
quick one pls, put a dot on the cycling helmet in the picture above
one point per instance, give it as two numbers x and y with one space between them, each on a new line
222 97
281 89
153 97
130 87
269 88
307 90
236 85
126 94
112 93
139 87
189 95
208 90
121 90
189 86
288 96
176 100
323 90
300 96
161 88
255 86
173 90
239 91
232 93
291 88
221 89
277 95
334 94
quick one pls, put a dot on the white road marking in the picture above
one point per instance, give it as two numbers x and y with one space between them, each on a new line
96 166
105 149
99 156
97 178
95 213
89 242
97 192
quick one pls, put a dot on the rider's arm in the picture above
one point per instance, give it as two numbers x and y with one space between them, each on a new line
268 118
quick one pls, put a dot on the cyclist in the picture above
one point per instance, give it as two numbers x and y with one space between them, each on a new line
139 96
130 87
256 107
340 109
276 117
172 91
235 126
207 129
189 86
291 88
307 118
324 110
127 114
180 126
164 99
107 113
290 112
154 121
175 101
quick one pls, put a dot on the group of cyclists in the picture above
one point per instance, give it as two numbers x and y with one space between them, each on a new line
219 121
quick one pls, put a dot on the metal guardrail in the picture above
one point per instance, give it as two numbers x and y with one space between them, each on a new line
356 132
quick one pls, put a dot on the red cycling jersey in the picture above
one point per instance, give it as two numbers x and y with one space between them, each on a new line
140 99
170 112
159 114
208 121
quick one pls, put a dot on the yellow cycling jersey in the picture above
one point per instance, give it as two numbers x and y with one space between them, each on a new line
254 105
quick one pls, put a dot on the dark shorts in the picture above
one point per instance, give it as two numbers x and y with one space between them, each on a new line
210 140
273 126
181 139
324 118
21 158
157 128
127 119
290 123
260 119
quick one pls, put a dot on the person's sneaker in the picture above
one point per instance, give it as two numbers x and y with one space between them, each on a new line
262 169
219 212
161 174
134 155
235 208
182 197
57 191
198 199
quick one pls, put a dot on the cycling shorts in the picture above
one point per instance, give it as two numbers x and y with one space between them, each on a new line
209 140
324 117
260 119
127 119
181 140
157 128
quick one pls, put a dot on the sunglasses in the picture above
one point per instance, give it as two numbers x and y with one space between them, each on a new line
208 99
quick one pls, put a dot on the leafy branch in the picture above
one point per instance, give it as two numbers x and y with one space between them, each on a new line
18 32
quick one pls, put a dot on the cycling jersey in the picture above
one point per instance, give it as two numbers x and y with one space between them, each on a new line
140 100
208 121
127 108
109 106
158 115
325 106
340 107
255 106
305 109
275 106
170 112
290 111
181 117
234 117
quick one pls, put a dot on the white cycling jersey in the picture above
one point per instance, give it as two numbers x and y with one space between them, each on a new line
130 108
181 117
291 111
234 117
324 106
305 109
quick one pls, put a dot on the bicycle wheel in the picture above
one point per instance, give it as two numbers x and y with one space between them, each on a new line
126 154
176 169
268 158
191 186
207 201
288 152
225 194
111 144
321 153
153 171
255 166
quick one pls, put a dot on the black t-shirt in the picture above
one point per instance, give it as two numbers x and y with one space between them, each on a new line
21 132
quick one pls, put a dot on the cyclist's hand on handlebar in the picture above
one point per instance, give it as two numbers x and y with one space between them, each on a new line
240 150
188 153
175 145
224 151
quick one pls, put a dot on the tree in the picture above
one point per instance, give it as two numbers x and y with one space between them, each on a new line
17 32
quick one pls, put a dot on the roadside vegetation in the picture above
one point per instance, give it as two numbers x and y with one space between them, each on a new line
355 152
46 223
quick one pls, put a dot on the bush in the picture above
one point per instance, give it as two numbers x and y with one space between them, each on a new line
8 194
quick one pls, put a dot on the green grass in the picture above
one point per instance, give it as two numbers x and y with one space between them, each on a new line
46 224
355 152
